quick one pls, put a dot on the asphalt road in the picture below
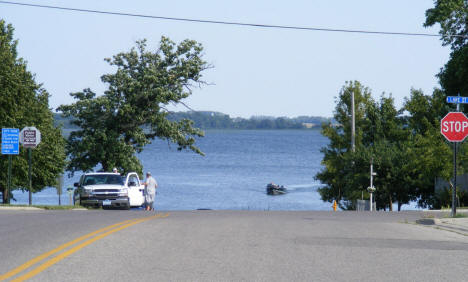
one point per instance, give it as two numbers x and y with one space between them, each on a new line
233 246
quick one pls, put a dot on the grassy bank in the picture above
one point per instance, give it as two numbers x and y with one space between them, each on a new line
44 207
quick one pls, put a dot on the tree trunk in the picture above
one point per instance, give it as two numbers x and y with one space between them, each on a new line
391 203
105 166
399 206
4 196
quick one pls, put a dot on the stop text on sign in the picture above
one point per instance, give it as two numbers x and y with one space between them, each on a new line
454 126
457 126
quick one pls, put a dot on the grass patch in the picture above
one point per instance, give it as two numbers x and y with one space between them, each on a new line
58 207
45 207
458 215
428 215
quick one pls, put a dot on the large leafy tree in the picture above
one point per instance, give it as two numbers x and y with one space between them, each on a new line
337 161
23 102
432 153
453 20
452 16
133 110
381 138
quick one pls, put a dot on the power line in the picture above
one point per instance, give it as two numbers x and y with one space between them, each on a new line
233 23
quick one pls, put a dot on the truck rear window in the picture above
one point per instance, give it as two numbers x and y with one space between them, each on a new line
102 179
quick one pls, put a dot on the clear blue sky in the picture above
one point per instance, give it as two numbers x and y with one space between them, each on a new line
256 71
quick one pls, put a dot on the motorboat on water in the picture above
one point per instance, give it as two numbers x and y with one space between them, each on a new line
275 189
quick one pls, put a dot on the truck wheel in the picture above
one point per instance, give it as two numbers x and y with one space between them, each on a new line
127 207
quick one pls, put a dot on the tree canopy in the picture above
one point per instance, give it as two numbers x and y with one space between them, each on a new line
452 16
405 146
24 102
133 110
453 20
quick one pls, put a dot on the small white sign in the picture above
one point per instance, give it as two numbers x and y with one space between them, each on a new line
30 137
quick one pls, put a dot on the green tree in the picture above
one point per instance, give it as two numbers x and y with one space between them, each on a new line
452 16
339 175
133 109
433 155
381 137
24 102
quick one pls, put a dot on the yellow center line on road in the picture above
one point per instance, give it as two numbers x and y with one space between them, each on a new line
110 229
56 250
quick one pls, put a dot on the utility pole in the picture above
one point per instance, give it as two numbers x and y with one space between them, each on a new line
353 124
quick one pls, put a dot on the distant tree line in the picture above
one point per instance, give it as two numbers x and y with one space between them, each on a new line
216 120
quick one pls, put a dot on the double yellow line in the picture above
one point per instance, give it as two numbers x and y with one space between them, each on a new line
96 235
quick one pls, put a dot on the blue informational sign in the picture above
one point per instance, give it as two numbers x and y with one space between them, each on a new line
10 141
457 100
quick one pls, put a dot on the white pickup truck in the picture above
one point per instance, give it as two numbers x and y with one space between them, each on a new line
109 190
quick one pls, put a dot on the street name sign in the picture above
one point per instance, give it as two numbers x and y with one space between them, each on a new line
457 100
30 137
10 139
454 126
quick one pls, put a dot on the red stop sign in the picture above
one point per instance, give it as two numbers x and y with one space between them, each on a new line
454 126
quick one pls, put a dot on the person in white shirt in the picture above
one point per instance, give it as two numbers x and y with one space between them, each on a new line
150 191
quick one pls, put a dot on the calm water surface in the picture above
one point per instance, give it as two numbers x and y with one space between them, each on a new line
233 174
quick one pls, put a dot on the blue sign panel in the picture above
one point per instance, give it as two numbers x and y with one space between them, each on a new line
10 141
457 100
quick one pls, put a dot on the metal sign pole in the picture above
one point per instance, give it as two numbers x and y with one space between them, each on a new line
30 137
371 183
9 181
30 176
449 136
353 124
454 190
371 188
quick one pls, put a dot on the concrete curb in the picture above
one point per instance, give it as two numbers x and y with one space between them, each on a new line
11 208
457 225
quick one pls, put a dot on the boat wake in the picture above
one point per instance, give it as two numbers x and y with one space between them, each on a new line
308 187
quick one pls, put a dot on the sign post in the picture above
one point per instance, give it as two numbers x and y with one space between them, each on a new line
454 127
70 194
59 188
371 188
30 137
10 146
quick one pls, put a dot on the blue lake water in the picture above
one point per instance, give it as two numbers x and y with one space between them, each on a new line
233 174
